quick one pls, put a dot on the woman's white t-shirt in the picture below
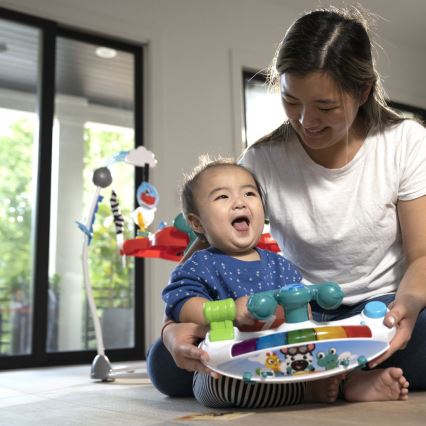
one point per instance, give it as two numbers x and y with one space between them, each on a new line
341 224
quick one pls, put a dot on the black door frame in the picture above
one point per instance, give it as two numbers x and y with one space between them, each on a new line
39 357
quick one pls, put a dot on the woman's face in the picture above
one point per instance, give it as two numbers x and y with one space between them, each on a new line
320 113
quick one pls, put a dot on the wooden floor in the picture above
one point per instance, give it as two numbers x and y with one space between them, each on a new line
67 396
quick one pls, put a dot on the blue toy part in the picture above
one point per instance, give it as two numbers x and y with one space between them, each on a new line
84 228
162 225
247 377
362 360
147 195
294 300
375 309
118 157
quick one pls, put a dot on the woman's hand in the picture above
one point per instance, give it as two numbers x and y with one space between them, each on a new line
402 314
243 317
181 340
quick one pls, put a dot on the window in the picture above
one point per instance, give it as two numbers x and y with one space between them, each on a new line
263 109
69 101
18 188
410 111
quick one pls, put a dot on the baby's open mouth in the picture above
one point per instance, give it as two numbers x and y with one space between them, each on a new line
241 223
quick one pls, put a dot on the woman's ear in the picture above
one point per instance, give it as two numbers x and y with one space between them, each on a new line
365 93
195 223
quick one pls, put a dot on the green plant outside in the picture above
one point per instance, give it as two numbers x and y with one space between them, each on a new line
113 284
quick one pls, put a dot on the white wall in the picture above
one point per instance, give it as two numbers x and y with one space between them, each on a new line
193 87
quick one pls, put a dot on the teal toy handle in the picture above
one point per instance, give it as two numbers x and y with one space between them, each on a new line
263 305
294 300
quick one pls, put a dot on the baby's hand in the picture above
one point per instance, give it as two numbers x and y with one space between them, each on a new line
243 318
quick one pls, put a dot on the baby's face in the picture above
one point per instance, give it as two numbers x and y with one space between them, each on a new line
230 209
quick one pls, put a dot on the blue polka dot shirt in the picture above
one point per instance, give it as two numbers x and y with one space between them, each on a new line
214 275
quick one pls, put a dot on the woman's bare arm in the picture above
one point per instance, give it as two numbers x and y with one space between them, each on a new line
410 297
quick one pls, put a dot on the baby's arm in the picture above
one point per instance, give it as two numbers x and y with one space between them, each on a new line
186 292
192 311
244 317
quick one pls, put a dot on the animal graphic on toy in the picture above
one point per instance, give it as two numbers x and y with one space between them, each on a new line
300 349
299 359
272 364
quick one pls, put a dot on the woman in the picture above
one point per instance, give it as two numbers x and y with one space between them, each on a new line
345 179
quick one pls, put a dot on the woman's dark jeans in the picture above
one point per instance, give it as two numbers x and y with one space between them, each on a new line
173 381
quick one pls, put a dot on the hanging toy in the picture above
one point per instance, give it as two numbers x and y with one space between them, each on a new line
147 198
117 217
118 222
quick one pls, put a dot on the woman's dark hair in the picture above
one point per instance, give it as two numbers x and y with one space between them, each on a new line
335 41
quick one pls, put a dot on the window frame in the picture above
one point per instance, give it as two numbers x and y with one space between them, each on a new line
39 357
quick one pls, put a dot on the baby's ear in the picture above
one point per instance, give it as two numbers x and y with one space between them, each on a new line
195 223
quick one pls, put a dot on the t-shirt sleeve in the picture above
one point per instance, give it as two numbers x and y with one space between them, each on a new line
184 284
412 183
251 158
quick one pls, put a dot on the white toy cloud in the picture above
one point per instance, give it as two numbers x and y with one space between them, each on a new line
141 156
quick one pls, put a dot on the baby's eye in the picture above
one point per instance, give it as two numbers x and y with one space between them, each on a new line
250 194
221 197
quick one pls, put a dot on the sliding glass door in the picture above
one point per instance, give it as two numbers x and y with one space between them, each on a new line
19 53
69 101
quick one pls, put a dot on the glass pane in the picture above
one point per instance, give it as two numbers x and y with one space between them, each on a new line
264 111
18 125
94 121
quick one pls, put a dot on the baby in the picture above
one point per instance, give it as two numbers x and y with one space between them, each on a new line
223 203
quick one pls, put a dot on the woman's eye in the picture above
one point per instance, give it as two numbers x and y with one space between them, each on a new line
290 103
328 109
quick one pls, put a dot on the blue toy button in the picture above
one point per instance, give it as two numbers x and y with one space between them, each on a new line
294 287
375 309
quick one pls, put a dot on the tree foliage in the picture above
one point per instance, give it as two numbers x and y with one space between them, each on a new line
113 283
16 199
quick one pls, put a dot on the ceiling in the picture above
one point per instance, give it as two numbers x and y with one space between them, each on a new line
109 82
79 71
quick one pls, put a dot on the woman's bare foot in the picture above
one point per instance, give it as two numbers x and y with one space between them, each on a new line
326 390
376 385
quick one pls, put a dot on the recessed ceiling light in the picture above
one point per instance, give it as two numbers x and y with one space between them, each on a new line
106 52
3 47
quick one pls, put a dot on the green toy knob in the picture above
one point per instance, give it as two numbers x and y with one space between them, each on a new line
220 310
220 314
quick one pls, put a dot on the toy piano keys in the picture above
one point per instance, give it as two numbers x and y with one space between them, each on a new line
300 349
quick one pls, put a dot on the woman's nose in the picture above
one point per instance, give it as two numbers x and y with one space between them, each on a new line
308 118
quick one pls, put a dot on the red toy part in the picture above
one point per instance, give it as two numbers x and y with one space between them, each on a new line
266 242
170 243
